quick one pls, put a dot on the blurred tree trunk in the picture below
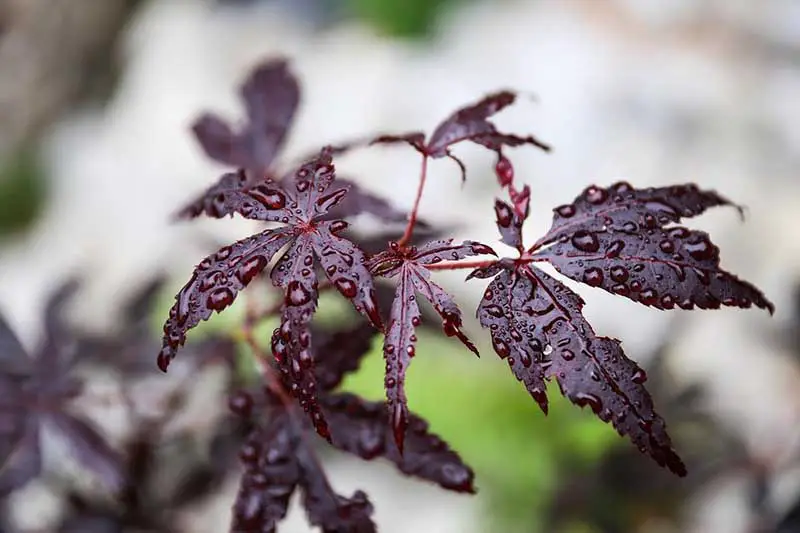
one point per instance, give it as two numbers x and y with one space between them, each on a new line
52 53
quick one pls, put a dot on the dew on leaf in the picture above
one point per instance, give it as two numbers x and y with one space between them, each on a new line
220 299
593 276
585 241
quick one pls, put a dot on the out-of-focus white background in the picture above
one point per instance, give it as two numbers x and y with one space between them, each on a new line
100 97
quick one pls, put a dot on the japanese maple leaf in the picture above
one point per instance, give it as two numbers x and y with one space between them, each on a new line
278 459
614 238
38 390
625 240
470 123
309 242
271 95
409 266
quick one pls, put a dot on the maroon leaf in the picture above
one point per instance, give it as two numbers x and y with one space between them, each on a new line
271 95
308 237
361 427
215 284
615 239
470 123
332 512
341 353
90 449
536 324
40 388
409 266
271 475
23 457
360 201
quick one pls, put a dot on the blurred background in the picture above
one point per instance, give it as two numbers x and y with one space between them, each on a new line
96 98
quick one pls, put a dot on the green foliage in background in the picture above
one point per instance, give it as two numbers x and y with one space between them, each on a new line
401 18
487 416
22 192
476 405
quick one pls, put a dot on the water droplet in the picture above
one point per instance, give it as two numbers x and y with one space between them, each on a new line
329 200
302 185
296 294
567 355
415 321
250 268
620 289
410 350
330 270
389 349
548 349
595 195
494 310
525 359
650 221
619 274
700 248
585 241
636 285
501 347
639 376
219 299
621 187
614 249
223 253
667 301
504 214
678 233
338 225
666 246
630 227
648 297
270 198
347 287
638 267
646 425
583 399
565 211
593 276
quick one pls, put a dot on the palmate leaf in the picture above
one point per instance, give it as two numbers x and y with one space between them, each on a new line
271 95
409 267
470 123
37 390
537 324
309 241
616 239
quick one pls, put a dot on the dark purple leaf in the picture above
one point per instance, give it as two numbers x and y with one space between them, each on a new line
359 201
24 462
90 449
271 475
536 323
471 123
326 509
341 353
409 266
361 427
215 283
615 239
271 95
